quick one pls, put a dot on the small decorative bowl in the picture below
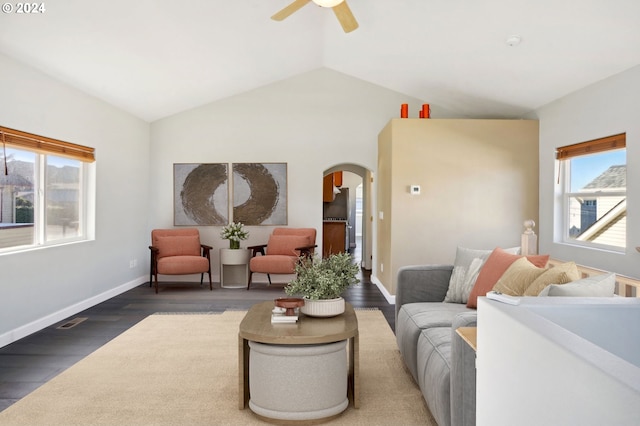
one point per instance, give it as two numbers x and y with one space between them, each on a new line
290 304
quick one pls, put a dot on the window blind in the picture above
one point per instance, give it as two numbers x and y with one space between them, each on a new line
590 147
44 145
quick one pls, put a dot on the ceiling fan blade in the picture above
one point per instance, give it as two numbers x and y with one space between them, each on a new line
289 10
346 18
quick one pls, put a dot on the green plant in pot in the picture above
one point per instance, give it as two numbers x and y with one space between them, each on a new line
321 283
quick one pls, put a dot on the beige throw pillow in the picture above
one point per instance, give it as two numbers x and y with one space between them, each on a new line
560 274
518 277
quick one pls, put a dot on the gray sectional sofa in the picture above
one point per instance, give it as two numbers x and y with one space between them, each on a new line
441 363
431 303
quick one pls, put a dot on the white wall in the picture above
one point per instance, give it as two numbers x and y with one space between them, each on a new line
533 371
42 286
479 182
312 122
606 108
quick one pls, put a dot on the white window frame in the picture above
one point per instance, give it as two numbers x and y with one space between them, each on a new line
86 200
566 195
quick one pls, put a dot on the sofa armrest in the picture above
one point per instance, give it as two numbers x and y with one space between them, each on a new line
422 283
463 373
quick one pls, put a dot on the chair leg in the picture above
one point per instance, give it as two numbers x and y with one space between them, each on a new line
249 282
210 282
156 281
269 278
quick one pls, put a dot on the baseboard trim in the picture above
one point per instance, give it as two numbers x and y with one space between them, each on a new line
46 321
391 298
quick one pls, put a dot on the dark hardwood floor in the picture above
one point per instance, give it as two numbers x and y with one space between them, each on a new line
35 359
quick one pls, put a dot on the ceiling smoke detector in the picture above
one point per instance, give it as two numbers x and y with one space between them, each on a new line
514 40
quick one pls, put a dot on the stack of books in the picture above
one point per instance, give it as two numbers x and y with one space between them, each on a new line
281 318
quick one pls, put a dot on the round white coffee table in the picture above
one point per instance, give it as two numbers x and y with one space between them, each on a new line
289 350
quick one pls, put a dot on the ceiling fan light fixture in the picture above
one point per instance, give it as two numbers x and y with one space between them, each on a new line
340 9
327 3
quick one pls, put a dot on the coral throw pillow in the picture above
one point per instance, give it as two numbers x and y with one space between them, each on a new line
496 265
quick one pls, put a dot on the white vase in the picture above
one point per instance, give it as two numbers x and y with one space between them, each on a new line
323 307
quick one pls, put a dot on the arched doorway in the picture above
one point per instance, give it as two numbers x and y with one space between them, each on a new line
352 204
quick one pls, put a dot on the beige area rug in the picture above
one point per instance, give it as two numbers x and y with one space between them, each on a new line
183 370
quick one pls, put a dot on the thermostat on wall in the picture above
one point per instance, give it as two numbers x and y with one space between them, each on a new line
414 189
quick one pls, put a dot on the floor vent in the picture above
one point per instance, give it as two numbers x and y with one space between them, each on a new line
72 323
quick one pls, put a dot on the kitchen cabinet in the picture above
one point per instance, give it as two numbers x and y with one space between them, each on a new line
327 188
334 237
329 182
337 179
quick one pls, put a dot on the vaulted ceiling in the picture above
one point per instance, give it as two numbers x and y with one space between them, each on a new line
155 58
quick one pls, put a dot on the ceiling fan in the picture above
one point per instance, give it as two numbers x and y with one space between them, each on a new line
340 8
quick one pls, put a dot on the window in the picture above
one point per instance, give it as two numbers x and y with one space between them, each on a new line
593 178
43 191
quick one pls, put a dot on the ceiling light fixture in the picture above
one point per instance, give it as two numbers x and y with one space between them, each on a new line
514 40
340 9
327 3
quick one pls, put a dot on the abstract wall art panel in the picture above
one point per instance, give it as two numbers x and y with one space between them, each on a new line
260 193
201 194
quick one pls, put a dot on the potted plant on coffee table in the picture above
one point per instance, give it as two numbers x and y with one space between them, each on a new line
321 283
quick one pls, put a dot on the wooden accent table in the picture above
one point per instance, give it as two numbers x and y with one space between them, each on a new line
256 326
469 335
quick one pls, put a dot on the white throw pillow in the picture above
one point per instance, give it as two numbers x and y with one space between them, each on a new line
463 277
470 278
603 285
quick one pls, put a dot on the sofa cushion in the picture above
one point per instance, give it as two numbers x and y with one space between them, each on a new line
497 263
594 286
415 317
460 293
518 277
560 274
457 292
434 371
466 266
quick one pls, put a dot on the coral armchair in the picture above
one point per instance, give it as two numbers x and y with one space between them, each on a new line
178 252
282 252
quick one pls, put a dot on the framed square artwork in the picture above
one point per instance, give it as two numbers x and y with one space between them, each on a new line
200 194
260 193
